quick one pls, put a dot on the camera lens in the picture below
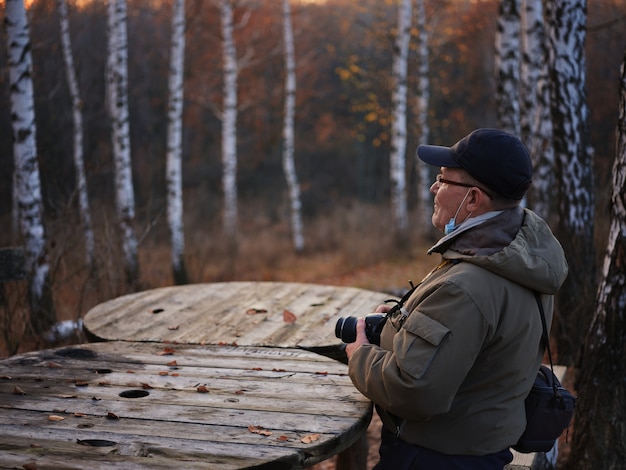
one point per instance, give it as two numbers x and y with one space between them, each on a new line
345 329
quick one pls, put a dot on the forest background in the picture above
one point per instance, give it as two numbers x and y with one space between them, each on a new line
342 143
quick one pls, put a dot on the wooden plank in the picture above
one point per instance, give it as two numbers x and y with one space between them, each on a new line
242 313
173 422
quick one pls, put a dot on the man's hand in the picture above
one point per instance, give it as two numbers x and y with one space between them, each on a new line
361 338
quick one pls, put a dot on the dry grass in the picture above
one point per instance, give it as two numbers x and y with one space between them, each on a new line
350 246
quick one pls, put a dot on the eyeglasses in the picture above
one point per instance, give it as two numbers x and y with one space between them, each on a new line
440 179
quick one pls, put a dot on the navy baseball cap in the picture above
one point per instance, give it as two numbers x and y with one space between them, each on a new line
493 157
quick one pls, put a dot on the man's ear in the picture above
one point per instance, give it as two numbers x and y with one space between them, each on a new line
476 200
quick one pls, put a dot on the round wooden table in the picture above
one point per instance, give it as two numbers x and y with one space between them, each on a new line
279 314
138 405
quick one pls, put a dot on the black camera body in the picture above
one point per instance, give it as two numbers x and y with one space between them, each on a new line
345 329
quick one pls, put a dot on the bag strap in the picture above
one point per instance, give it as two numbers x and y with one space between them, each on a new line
546 339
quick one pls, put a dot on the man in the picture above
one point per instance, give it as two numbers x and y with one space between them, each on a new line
454 366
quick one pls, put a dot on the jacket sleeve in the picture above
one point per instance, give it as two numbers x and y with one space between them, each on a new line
430 356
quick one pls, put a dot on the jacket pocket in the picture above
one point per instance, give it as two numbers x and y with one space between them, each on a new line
418 342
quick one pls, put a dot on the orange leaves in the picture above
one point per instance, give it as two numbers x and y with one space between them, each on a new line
259 430
55 418
309 438
202 389
289 317
167 352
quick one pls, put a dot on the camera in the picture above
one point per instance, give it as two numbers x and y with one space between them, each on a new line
345 329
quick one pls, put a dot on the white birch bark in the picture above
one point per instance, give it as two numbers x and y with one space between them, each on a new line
28 184
77 116
399 127
229 120
535 120
424 197
289 166
603 360
507 65
117 89
174 143
566 31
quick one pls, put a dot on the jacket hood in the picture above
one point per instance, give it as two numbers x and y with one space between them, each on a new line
527 254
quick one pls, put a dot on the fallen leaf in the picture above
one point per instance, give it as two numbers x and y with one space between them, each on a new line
104 383
79 415
18 391
54 365
282 438
239 392
67 396
175 374
112 415
130 371
55 418
81 383
254 311
202 389
310 438
146 386
172 363
278 370
289 317
164 372
30 466
322 373
259 430
167 352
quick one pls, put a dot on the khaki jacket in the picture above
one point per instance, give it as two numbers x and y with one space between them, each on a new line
452 376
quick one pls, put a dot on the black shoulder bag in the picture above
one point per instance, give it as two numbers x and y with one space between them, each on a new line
549 406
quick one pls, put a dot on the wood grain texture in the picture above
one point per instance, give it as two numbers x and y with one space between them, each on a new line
242 313
204 407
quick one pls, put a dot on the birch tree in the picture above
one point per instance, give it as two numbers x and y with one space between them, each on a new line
229 120
174 143
117 97
599 439
289 166
507 65
565 27
399 128
77 118
28 184
535 120
424 203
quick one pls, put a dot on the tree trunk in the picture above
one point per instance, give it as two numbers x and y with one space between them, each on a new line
399 128
117 88
28 184
507 66
424 176
81 180
289 166
565 23
229 121
535 119
599 439
174 144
